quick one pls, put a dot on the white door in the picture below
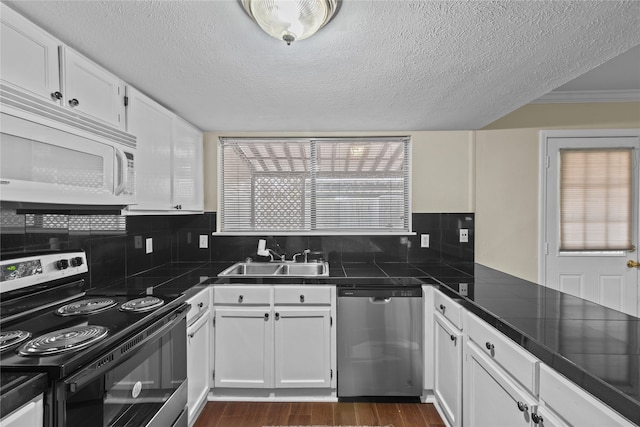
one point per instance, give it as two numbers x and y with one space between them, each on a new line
91 90
198 372
303 347
243 348
29 56
448 369
187 179
598 275
152 125
491 397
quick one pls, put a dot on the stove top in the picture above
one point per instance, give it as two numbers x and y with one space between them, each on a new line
49 323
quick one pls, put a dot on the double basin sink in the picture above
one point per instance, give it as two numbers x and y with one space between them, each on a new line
276 269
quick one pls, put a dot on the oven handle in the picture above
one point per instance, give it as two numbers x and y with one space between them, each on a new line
128 348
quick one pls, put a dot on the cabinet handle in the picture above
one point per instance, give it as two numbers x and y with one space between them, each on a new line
240 298
177 207
489 346
266 316
522 406
74 102
200 304
277 316
301 298
454 339
537 419
443 308
191 335
56 95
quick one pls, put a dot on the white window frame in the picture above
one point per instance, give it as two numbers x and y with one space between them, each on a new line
380 232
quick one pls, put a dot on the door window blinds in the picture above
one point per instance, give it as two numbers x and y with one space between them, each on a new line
595 199
315 185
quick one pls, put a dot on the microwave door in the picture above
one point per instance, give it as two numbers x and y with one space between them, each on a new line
40 164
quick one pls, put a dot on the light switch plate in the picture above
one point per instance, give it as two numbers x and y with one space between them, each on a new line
149 243
424 240
204 241
464 235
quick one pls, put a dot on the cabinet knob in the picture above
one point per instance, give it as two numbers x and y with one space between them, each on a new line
489 346
522 406
453 337
74 102
537 419
200 304
56 95
178 207
240 298
277 316
301 298
266 316
443 308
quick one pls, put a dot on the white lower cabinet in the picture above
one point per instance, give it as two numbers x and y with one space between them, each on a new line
198 345
243 347
28 415
273 337
491 397
302 347
448 348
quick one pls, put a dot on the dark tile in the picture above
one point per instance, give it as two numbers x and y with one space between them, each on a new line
137 258
390 248
358 249
231 248
188 245
108 260
201 222
162 243
425 223
452 248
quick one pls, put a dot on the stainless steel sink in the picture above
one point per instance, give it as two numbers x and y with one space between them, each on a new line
276 269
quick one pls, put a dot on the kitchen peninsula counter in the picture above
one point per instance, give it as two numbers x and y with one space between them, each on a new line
595 347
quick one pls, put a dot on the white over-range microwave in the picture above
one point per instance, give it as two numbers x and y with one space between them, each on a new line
62 161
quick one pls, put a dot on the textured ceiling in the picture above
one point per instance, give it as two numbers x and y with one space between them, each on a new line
377 66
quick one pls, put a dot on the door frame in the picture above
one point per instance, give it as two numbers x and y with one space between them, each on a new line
542 181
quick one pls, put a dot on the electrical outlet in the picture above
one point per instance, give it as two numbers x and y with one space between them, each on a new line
149 243
424 240
463 289
204 241
464 235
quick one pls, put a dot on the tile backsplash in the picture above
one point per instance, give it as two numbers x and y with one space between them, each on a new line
116 245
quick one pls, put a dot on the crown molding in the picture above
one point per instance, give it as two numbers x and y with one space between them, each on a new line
581 96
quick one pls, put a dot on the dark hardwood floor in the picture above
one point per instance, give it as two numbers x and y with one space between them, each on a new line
259 414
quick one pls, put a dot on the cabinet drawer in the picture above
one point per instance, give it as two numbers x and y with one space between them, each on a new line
300 295
242 295
573 403
450 309
519 363
199 304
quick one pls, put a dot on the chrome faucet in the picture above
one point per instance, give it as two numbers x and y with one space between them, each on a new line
306 252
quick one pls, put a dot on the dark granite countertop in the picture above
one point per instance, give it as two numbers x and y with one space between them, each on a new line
17 388
595 347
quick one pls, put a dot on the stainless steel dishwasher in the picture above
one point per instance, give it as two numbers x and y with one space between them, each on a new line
380 341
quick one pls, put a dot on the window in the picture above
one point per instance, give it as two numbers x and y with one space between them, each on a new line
318 185
595 199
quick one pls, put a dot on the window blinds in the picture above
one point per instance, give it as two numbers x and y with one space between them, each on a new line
315 185
595 199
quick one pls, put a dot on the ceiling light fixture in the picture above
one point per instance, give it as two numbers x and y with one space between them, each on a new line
291 20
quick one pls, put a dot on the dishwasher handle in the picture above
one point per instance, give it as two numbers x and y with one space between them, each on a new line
379 300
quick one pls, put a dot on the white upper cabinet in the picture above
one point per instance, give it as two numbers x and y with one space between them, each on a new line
37 64
152 125
186 168
90 89
29 57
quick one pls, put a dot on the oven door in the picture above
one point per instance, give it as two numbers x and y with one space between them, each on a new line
147 388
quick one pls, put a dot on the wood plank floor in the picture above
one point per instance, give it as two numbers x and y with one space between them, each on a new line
259 414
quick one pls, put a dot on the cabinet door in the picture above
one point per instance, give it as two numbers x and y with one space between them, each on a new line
187 180
302 347
31 414
491 397
448 369
91 90
152 125
198 371
243 347
29 56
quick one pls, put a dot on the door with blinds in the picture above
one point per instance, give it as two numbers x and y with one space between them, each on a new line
590 224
